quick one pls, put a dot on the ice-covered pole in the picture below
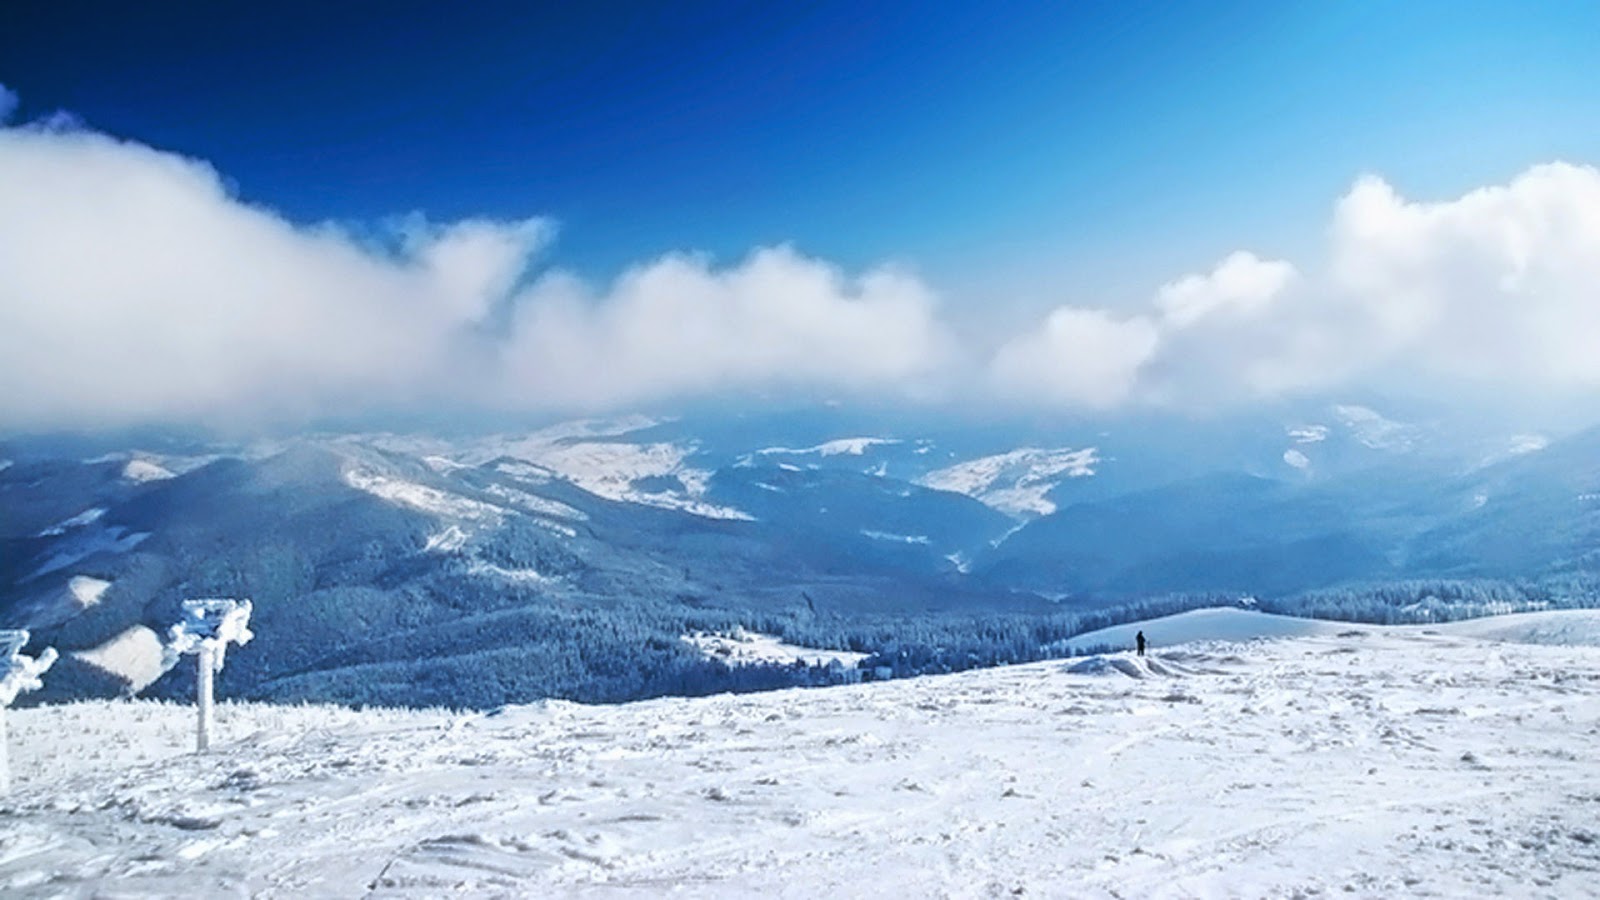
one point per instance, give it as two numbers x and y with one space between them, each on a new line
208 627
205 670
18 673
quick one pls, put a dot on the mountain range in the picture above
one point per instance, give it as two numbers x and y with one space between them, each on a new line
474 569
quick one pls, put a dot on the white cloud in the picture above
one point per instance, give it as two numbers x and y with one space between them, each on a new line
1501 284
1499 287
134 287
1195 345
680 326
1078 357
1241 284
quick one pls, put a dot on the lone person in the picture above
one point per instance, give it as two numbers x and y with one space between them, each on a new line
1139 640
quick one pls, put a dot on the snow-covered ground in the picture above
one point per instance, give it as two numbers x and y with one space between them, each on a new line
86 541
747 649
143 470
135 656
1375 431
1349 761
841 447
1015 483
590 453
1221 624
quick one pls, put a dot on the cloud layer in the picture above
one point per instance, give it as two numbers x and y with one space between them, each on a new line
134 287
1499 288
678 326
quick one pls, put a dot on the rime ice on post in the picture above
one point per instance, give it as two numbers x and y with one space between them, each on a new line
208 627
18 673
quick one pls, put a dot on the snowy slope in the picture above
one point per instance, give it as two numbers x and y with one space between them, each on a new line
1573 628
142 470
1016 483
1368 762
135 656
746 648
1560 627
840 447
602 456
1223 624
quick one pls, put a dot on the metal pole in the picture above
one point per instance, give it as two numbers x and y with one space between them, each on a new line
203 699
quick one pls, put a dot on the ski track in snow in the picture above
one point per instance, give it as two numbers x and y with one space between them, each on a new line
1364 762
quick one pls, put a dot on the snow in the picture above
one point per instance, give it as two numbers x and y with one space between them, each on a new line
895 538
855 446
87 591
609 470
1308 434
1220 624
699 508
144 470
1565 628
1297 459
86 542
208 625
5 464
1355 761
19 674
533 503
447 541
1015 483
421 497
613 427
1515 446
443 464
476 451
1374 431
525 471
1527 443
490 570
746 648
556 528
134 656
87 517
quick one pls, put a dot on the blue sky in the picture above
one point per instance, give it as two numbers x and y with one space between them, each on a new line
1070 204
1020 145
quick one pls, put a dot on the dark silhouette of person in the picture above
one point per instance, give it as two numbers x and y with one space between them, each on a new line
1139 640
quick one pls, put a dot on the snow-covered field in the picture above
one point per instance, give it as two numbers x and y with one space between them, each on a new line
1015 483
1348 761
748 649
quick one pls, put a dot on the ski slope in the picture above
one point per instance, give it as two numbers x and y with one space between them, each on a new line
1350 761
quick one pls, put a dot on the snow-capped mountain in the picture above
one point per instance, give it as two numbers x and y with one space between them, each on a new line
510 552
1017 483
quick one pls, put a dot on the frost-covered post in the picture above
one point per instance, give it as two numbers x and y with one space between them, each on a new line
18 673
208 627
